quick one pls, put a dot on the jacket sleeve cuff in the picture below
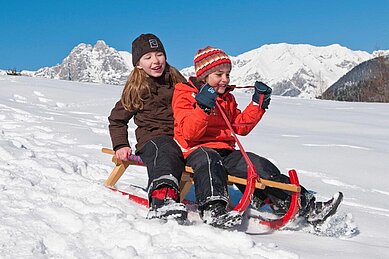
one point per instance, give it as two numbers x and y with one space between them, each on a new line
120 146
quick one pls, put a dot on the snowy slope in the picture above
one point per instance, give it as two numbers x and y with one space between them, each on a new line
54 205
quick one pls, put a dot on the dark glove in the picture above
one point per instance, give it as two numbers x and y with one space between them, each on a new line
206 98
261 88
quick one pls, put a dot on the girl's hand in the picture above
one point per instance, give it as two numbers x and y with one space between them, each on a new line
123 153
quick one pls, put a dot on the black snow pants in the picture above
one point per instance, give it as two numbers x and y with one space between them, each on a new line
211 167
164 161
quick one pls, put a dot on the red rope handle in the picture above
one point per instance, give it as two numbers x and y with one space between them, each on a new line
261 99
246 86
252 175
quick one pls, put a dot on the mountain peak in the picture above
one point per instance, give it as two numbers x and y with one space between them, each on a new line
100 44
86 63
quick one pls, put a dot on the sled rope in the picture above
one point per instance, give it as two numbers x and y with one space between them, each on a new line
252 175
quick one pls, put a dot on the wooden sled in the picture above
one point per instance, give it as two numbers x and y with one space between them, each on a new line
187 182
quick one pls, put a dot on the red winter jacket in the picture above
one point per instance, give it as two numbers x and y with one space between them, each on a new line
194 128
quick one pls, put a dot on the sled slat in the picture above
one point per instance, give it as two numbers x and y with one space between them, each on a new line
234 179
283 186
261 184
186 179
108 151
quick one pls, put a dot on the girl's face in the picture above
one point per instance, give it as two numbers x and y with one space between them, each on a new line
153 63
219 80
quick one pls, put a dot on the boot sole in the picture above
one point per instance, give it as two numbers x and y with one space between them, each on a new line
175 211
228 220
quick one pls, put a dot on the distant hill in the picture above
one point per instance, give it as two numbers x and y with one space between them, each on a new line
367 82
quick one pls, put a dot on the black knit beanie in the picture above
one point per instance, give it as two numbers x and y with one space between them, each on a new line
146 43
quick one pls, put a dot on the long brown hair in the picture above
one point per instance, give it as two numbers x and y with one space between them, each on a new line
137 89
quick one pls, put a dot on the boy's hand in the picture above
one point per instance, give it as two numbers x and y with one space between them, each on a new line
261 88
206 97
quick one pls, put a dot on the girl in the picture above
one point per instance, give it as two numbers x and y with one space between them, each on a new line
208 145
147 97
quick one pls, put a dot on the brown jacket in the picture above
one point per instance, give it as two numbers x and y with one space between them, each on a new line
156 118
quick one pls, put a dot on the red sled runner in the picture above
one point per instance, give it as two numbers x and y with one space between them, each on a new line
252 182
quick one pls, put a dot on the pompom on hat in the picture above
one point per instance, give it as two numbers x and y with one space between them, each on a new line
146 43
209 60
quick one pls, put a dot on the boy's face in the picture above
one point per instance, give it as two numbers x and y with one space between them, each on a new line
219 80
153 63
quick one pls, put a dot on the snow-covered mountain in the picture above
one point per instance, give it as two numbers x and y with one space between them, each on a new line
380 53
86 63
291 69
294 69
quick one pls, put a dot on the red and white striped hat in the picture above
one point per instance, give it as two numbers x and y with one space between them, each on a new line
209 60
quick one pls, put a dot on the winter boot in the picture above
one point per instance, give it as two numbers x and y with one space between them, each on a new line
318 212
215 213
256 202
280 208
258 199
165 204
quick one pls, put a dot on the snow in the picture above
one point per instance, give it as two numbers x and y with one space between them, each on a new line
54 204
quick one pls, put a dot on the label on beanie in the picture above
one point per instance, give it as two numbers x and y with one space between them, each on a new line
153 43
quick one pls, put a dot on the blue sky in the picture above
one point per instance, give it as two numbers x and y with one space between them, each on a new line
34 34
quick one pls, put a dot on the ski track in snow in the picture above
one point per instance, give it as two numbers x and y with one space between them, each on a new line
381 192
54 204
335 145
